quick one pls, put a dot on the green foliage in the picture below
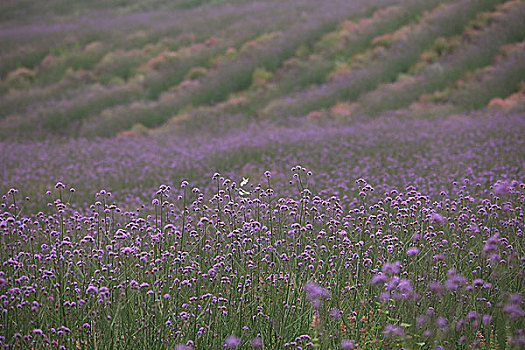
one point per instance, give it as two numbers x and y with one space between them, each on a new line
196 73
260 77
21 78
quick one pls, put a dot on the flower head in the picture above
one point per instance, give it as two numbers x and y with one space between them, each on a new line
412 251
502 188
334 313
392 331
232 341
257 342
391 268
436 218
314 293
182 347
347 344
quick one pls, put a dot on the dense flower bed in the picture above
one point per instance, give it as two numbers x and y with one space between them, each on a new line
397 234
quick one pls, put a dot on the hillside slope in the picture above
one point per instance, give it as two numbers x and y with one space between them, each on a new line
135 66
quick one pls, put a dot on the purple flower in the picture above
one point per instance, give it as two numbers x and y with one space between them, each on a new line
516 298
103 292
232 341
405 286
478 282
502 188
514 310
257 342
314 293
491 244
472 316
182 347
391 330
412 251
379 278
334 313
347 344
436 218
473 228
441 322
454 280
384 296
486 319
391 268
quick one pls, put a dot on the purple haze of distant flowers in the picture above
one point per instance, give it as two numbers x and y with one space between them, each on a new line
347 344
182 347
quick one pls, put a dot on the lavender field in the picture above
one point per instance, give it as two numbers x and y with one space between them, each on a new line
262 174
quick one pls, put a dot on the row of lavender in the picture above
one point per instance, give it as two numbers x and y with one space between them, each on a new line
303 84
118 83
367 78
398 234
261 64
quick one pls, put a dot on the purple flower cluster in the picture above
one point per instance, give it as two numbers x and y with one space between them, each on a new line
315 293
